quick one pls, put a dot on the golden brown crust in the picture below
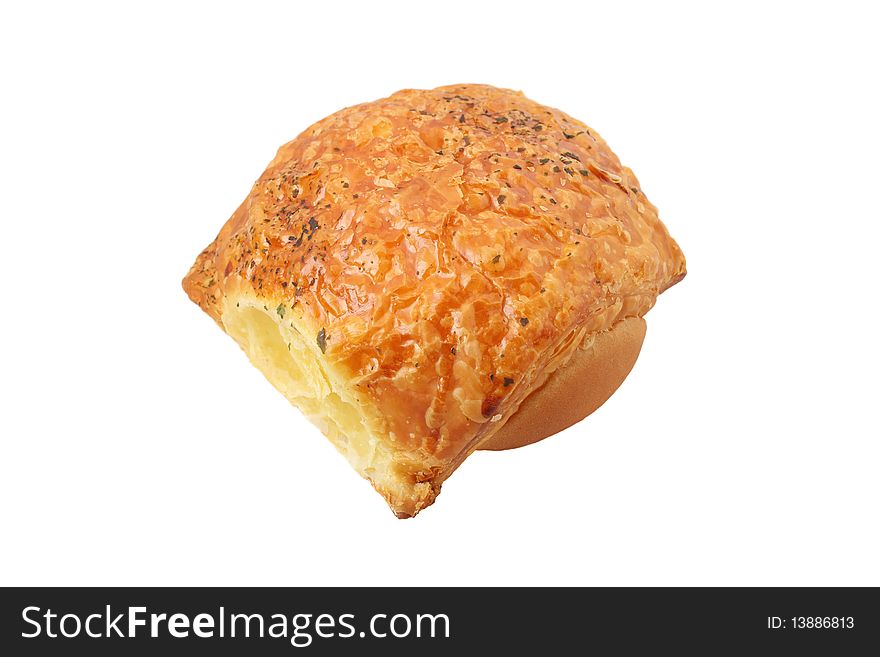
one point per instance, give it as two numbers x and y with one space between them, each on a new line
447 248
576 389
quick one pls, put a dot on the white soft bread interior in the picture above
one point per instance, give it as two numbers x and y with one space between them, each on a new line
295 366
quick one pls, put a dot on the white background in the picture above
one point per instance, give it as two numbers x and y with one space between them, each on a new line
140 447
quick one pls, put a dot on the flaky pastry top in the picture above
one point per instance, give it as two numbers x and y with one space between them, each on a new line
446 249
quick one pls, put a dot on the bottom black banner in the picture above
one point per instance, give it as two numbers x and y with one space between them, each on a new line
334 621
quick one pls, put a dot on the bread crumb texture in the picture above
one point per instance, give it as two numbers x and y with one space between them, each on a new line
407 271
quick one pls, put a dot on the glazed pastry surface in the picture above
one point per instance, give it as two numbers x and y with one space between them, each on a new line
407 271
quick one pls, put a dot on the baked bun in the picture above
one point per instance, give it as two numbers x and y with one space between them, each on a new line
437 272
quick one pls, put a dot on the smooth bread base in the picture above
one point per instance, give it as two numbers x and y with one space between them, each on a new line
576 389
